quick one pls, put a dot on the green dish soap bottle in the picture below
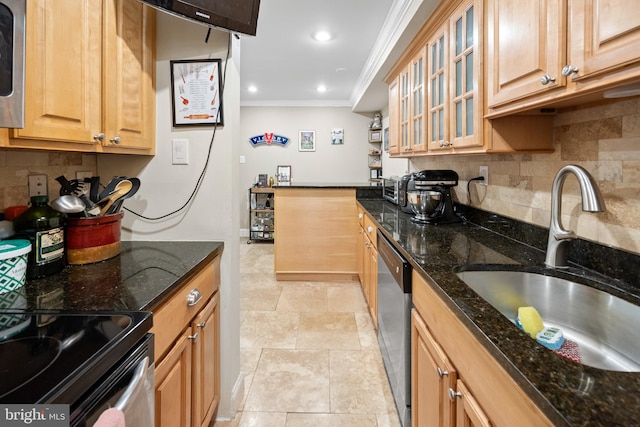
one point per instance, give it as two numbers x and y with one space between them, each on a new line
44 228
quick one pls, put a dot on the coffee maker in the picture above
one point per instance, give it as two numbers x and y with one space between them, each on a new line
441 181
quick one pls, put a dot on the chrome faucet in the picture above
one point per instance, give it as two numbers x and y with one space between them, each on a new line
591 202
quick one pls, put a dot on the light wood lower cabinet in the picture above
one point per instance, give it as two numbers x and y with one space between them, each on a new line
173 385
316 234
455 380
432 377
368 263
187 352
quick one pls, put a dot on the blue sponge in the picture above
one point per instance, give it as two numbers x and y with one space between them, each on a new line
550 337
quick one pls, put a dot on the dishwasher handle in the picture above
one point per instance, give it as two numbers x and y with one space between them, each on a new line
397 265
134 386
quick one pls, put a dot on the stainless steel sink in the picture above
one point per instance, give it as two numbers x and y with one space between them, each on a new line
605 327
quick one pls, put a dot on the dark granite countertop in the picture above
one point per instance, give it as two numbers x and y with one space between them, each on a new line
364 190
140 278
569 393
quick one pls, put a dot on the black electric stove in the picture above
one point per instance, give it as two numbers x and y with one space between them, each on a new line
58 356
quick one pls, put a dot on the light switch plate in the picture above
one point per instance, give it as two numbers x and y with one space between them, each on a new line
37 185
180 152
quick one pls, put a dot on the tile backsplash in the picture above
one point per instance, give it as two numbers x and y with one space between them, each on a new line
604 139
17 165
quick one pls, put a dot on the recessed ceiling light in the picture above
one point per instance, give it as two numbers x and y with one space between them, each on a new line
322 36
252 89
322 88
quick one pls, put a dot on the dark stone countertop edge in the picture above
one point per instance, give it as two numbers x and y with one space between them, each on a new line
168 292
552 382
140 278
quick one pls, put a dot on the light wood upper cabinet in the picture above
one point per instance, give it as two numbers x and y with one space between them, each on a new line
90 77
465 60
405 111
129 101
417 95
526 42
438 94
603 36
394 115
558 53
63 89
455 81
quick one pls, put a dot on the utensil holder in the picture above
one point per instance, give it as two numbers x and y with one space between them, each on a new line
93 239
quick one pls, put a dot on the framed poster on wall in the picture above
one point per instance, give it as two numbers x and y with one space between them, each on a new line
307 140
195 92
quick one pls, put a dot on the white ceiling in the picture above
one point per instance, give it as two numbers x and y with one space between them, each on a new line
287 65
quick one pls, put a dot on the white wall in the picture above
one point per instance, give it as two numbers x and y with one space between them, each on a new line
346 163
213 214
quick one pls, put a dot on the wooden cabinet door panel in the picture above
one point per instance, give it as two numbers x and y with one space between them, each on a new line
129 80
394 116
468 411
173 386
603 35
63 71
206 367
432 376
525 41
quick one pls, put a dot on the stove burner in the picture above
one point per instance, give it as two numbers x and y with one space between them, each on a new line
28 357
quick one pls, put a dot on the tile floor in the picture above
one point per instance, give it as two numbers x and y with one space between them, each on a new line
309 352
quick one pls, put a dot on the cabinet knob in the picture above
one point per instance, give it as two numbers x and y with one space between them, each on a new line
442 373
569 69
369 229
194 297
546 79
201 325
453 394
194 338
360 216
115 140
99 137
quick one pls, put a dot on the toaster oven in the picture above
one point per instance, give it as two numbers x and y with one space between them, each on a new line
391 189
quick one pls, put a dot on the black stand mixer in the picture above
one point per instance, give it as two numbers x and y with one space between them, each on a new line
426 184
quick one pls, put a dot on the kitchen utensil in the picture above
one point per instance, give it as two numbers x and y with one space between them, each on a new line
118 204
108 189
67 188
94 188
68 204
121 189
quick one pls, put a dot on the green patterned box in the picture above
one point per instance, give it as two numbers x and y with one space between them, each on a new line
13 264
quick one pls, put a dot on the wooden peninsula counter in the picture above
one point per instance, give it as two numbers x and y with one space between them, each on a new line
316 230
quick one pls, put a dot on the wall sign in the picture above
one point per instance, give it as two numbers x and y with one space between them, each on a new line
269 139
196 97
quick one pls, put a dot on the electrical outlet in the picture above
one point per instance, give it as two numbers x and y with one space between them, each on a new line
37 185
80 176
484 172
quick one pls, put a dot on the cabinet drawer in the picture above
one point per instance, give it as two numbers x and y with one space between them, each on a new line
176 314
371 230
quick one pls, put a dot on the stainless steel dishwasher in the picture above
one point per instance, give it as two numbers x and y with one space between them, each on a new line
394 323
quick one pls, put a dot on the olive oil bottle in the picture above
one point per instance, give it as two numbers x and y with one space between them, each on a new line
44 228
